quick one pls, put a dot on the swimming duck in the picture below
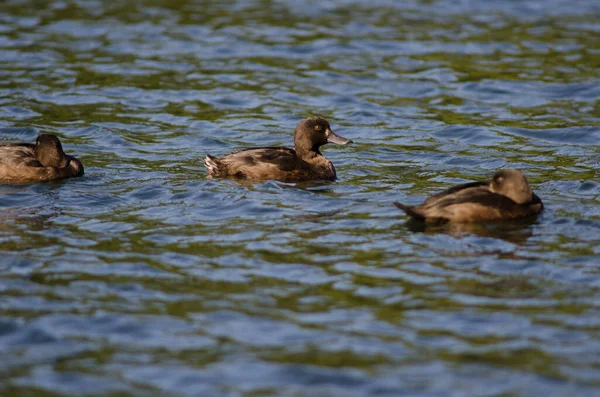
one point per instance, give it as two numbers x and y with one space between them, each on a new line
506 197
43 161
302 164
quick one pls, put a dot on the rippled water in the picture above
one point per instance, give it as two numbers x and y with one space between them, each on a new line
144 278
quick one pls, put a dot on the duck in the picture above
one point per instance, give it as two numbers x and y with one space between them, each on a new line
43 161
303 163
507 196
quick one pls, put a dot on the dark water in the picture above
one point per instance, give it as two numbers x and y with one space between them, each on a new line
144 278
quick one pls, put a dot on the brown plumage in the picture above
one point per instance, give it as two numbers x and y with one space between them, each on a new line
43 161
302 164
506 197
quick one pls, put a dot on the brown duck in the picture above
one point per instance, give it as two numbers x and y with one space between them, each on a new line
506 197
302 164
43 161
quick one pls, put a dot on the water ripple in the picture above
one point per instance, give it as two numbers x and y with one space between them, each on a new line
145 278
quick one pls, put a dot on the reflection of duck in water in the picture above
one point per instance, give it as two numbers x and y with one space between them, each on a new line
305 163
506 197
43 161
514 231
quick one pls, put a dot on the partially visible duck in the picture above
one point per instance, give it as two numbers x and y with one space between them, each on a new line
302 164
506 197
43 161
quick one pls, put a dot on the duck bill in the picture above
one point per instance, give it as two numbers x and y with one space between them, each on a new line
332 137
76 166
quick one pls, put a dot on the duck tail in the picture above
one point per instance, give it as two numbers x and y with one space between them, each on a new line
409 210
211 164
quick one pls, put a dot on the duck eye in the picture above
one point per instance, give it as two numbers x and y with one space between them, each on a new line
499 179
318 128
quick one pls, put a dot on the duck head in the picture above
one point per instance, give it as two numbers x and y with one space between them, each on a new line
314 132
512 184
49 152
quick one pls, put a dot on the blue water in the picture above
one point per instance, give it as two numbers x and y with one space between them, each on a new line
145 278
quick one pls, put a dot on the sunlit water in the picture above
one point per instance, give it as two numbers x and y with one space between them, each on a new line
145 278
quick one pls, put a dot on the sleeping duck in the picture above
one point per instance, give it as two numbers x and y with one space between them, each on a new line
302 164
506 197
43 161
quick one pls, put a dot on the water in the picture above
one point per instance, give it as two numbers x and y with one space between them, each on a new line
143 278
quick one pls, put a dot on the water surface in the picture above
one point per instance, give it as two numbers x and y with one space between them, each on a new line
144 278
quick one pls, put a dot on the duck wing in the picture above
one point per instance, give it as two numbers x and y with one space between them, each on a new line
454 195
19 154
458 193
285 159
258 163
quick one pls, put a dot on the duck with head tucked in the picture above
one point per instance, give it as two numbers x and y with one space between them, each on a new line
303 163
43 161
506 197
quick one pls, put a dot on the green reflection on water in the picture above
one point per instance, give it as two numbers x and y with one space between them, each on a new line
185 84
